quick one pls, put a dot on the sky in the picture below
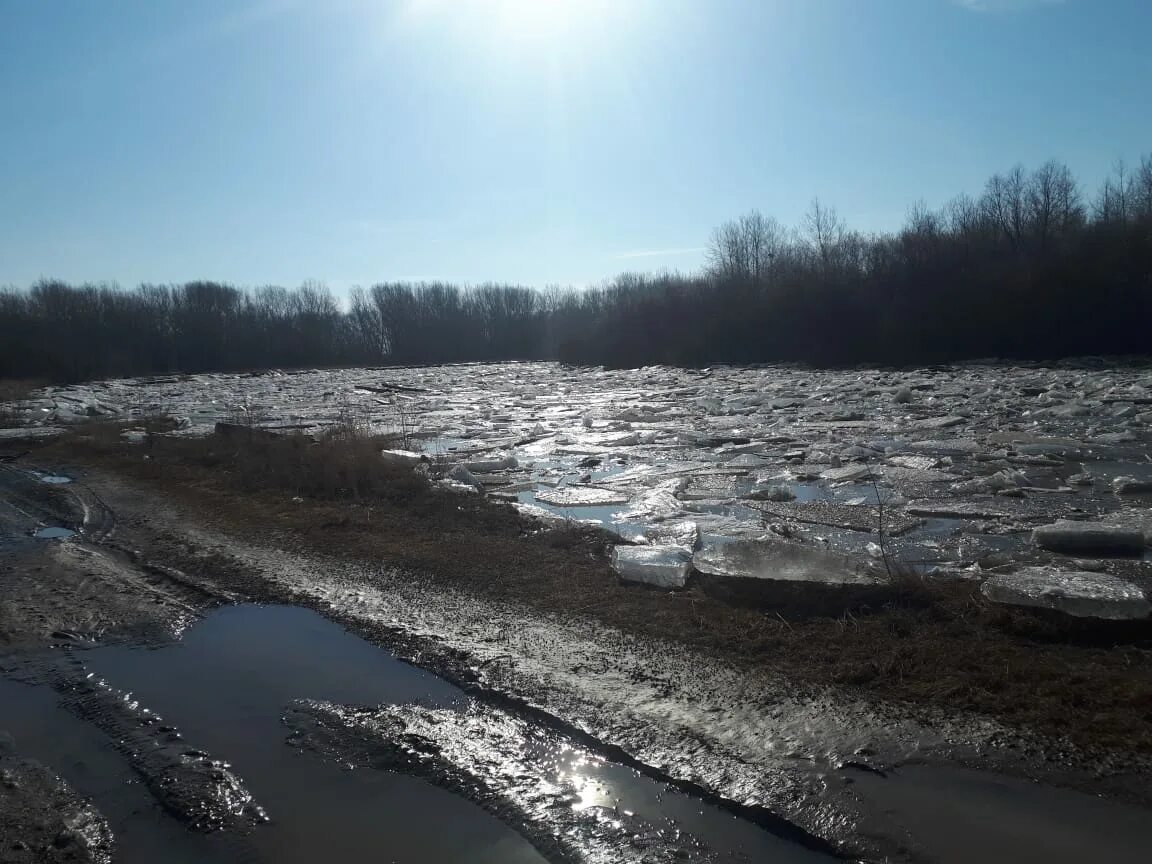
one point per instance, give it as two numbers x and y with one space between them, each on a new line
537 142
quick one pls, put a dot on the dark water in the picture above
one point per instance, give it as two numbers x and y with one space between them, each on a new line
226 684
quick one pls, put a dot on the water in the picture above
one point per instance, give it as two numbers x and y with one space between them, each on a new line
957 816
226 686
54 533
54 479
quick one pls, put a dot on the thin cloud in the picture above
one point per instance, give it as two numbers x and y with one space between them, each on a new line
657 253
1005 5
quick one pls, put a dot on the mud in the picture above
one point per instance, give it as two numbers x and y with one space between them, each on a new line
754 741
43 820
532 778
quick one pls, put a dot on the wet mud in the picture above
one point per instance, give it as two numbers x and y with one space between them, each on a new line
42 819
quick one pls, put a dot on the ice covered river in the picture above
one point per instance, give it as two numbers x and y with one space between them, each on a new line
947 469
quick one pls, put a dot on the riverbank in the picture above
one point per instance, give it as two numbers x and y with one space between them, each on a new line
767 713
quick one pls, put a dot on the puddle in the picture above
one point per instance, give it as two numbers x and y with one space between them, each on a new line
54 533
957 816
54 479
84 756
227 685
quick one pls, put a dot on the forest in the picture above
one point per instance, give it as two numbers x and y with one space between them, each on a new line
1031 268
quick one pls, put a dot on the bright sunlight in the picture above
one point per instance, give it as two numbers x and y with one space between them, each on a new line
524 25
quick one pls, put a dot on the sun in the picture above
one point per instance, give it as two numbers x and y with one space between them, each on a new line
536 19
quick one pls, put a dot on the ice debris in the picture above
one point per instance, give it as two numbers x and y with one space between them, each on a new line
1089 538
580 496
1075 592
403 457
1131 486
662 566
779 561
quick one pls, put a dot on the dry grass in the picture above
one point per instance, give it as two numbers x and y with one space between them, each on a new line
924 643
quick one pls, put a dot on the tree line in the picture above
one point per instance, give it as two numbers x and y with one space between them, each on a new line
1029 269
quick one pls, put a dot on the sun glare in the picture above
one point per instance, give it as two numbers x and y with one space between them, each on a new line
535 19
523 24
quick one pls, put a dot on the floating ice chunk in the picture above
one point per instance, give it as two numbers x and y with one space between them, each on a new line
581 496
772 492
1131 486
847 474
1088 538
659 503
955 510
777 560
920 463
662 566
489 466
1074 592
941 422
746 460
610 439
404 457
534 512
1126 437
858 452
1051 449
947 446
463 476
684 534
456 486
998 482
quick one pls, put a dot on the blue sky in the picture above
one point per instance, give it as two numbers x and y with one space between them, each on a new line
530 141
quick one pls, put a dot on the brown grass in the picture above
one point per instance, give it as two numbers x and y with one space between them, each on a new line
926 643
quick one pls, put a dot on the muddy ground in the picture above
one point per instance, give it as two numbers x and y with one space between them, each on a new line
839 735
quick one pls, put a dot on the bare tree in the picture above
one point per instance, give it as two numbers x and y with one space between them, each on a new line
1053 203
1005 203
1113 204
745 248
824 230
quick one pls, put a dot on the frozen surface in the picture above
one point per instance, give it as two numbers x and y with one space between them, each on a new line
662 566
948 464
780 561
1090 538
1074 592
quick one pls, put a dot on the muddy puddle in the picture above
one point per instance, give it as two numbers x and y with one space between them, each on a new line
228 686
54 533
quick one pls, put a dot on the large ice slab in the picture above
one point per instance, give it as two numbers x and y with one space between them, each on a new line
1131 486
1089 538
1074 592
781 575
683 534
658 503
779 561
581 496
662 566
